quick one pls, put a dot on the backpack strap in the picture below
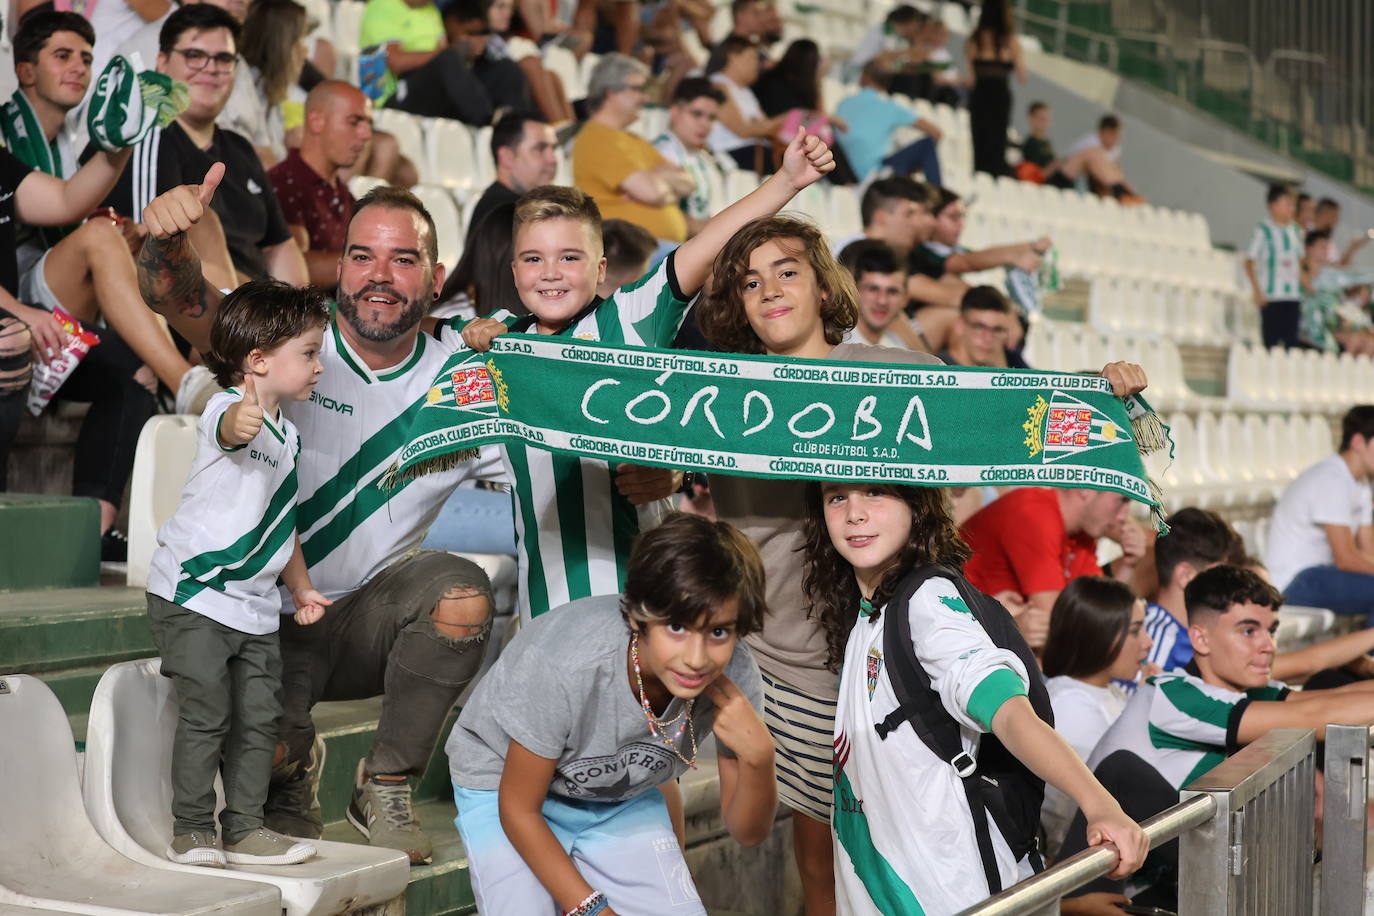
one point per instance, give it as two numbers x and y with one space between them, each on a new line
918 705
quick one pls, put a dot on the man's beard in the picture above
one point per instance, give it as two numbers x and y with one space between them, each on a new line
407 318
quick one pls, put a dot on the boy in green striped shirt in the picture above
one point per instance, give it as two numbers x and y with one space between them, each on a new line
1273 266
212 583
577 517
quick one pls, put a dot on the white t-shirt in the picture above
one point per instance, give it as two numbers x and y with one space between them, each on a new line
1092 140
877 40
901 818
114 21
221 552
145 41
722 137
353 428
1082 714
1324 494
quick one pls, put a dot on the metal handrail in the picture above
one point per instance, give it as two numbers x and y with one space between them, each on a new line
1064 28
1046 888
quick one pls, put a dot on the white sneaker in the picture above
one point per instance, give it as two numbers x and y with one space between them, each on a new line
196 388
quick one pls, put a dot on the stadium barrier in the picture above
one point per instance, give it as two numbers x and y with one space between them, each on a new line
1246 834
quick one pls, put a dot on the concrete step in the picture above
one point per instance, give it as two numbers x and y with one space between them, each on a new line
66 628
48 542
441 888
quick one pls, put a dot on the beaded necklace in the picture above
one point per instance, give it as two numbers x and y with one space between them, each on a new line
659 727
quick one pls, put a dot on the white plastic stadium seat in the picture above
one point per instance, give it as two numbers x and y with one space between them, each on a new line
162 462
359 185
447 221
406 129
128 793
450 153
348 19
51 857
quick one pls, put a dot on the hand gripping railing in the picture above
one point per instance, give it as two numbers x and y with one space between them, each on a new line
1224 869
1343 819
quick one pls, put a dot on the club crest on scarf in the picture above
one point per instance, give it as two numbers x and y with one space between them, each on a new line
1066 426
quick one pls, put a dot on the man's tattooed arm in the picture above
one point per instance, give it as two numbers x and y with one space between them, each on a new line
169 277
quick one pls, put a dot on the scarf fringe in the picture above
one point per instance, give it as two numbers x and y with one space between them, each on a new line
395 477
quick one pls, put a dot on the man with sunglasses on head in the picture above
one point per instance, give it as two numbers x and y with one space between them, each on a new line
198 46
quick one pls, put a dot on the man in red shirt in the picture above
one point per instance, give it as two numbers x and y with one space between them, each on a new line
315 201
1028 544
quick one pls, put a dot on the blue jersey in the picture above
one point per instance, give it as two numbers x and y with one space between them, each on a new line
1172 648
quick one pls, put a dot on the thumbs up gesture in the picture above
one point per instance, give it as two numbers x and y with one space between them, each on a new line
243 420
182 207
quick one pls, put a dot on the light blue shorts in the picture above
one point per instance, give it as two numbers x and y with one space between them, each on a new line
628 851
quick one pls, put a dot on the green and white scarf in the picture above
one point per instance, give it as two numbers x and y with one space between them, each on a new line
763 416
115 118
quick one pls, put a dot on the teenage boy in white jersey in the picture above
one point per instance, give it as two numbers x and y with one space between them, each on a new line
212 583
575 521
1181 724
405 623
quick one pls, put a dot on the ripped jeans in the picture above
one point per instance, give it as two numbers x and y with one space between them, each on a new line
382 639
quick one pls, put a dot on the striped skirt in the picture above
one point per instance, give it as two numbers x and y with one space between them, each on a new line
803 728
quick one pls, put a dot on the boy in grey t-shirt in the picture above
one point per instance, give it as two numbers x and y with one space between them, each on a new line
556 759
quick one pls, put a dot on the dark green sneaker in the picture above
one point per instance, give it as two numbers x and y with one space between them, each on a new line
199 847
293 796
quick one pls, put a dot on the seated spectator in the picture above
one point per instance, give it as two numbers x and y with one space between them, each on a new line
1180 725
934 76
482 29
627 249
1328 322
695 106
1197 541
483 281
1277 249
1096 156
880 280
1037 150
86 269
1327 215
1031 542
944 259
1097 637
315 200
891 44
622 171
979 335
792 88
742 131
756 21
272 51
1321 535
425 75
870 118
493 21
198 48
1306 212
525 151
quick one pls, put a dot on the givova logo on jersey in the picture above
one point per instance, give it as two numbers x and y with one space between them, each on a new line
874 668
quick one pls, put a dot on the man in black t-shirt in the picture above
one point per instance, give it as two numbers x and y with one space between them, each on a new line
198 47
525 151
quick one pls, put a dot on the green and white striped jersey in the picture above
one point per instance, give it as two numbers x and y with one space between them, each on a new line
1181 725
221 551
572 526
352 429
1277 252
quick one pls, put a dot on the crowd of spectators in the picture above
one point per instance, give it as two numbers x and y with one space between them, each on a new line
1172 636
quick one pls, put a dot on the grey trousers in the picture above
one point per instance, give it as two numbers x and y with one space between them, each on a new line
381 639
228 691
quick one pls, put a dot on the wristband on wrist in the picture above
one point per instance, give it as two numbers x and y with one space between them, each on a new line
594 903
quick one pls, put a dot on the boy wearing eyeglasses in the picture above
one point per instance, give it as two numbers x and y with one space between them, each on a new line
198 46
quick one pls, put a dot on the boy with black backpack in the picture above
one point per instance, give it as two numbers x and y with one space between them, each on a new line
933 817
